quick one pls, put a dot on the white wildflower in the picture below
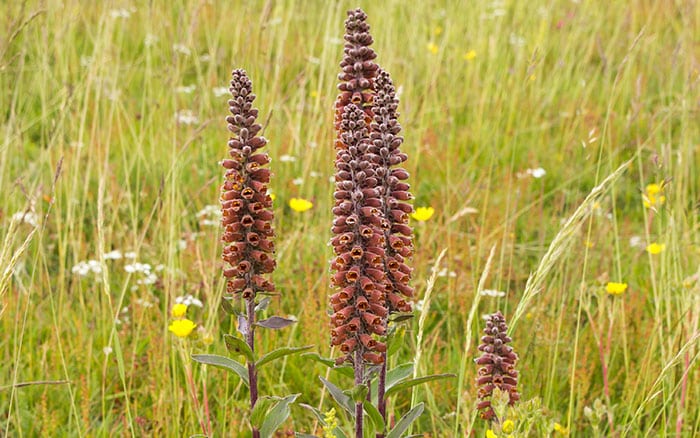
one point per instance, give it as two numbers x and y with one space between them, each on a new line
220 91
298 181
182 49
113 255
492 293
150 40
107 350
186 89
121 13
26 217
130 255
288 158
186 117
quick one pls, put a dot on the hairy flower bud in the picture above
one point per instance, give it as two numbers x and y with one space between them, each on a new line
246 205
359 305
357 67
498 370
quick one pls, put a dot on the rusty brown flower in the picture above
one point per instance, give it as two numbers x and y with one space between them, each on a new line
498 365
393 191
246 206
359 310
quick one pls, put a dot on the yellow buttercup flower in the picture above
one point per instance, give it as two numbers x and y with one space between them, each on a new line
300 205
561 429
491 434
615 288
655 248
433 48
437 30
178 310
653 195
182 327
273 196
470 55
508 426
422 214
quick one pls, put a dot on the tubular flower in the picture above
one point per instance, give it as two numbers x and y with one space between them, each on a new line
358 227
393 192
245 202
498 365
358 67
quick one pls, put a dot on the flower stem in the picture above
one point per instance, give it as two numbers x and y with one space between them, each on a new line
381 388
359 371
252 372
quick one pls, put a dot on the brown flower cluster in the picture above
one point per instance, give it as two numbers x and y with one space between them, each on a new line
393 192
498 370
245 203
358 67
359 310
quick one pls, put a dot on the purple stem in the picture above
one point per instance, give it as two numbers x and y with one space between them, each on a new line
359 413
381 388
252 372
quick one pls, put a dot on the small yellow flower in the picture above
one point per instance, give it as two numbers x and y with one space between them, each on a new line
272 196
314 94
433 48
437 30
491 434
655 248
178 310
422 214
508 426
561 429
300 205
653 195
469 55
331 424
615 288
182 327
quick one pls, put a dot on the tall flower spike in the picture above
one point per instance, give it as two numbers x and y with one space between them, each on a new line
246 205
393 192
359 305
358 67
498 365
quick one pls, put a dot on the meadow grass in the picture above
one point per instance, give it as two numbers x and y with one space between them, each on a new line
104 143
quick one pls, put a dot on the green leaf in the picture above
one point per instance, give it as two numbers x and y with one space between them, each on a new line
275 322
395 375
359 393
345 370
262 305
318 414
395 340
276 416
280 352
224 362
399 317
262 405
374 416
417 381
227 306
405 421
237 345
343 400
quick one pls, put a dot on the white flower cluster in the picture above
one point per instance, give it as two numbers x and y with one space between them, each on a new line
210 215
27 217
492 293
144 270
85 268
186 117
189 300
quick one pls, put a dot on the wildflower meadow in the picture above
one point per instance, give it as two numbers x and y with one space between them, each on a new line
333 219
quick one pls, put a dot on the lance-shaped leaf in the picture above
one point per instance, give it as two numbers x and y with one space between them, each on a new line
280 352
374 415
228 306
394 376
275 322
237 345
417 381
276 416
405 421
341 398
223 362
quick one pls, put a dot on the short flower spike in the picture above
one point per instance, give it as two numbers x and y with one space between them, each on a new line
245 202
497 365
